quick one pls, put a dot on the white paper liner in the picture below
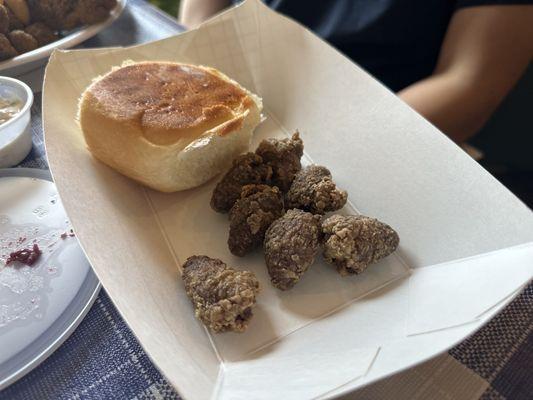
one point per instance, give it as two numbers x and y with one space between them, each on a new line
394 164
192 227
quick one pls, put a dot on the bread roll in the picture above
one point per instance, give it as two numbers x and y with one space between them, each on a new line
169 126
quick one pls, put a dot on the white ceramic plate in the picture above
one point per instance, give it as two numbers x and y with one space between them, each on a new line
41 305
27 61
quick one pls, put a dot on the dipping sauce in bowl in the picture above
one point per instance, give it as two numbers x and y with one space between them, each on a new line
16 99
9 107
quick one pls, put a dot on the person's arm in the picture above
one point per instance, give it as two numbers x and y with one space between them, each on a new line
194 12
485 51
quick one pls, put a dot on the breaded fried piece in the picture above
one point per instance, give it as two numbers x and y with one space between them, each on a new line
283 156
353 242
14 22
88 12
23 41
52 12
313 190
20 9
222 296
42 33
6 48
246 169
69 14
4 20
251 215
291 244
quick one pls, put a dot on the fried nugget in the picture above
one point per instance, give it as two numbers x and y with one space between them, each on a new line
283 156
23 41
246 169
6 48
291 244
222 296
52 12
4 20
20 9
353 242
14 22
42 33
313 190
88 12
251 215
69 14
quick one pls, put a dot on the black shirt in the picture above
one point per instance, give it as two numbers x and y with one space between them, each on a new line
397 41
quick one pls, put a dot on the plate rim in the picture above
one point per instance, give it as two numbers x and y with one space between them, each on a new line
90 290
70 40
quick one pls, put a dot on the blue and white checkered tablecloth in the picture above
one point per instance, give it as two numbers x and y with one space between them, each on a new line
103 360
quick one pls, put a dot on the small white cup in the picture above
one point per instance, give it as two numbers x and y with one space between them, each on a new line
15 134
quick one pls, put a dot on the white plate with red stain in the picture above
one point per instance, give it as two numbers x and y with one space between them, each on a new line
40 304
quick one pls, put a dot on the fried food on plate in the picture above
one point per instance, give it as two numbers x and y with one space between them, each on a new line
246 169
42 33
88 12
313 190
222 296
251 215
14 22
20 9
23 41
283 156
4 20
291 244
353 242
6 48
69 14
52 12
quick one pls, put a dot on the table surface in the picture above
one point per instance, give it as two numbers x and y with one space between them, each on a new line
103 360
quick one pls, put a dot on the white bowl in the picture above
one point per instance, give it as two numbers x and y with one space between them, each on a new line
15 134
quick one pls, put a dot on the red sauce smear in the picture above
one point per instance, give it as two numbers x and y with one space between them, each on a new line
25 256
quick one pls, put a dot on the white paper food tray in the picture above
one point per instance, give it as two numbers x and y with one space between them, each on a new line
465 239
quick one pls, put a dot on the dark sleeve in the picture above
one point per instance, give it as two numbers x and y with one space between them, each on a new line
473 3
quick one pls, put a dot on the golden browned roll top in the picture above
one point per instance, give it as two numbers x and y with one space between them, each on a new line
170 126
